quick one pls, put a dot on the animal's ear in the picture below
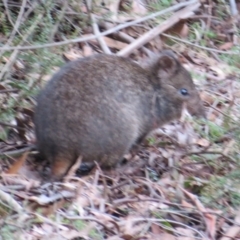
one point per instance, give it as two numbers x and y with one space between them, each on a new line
167 64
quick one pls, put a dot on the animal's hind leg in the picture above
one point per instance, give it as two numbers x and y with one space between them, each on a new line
60 166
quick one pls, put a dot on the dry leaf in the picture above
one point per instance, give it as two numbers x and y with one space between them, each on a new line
180 29
73 54
210 219
19 65
114 43
219 71
187 233
207 97
234 230
163 236
138 8
18 164
187 205
203 142
156 229
226 46
87 50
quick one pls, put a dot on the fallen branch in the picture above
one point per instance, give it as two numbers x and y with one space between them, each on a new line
145 38
96 31
17 152
5 197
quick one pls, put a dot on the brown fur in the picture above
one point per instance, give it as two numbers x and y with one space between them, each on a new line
100 106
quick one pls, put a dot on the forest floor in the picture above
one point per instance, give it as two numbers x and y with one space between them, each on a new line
183 183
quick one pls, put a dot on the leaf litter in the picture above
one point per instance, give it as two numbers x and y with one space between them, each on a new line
159 192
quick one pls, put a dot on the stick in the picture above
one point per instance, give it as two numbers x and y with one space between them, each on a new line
145 38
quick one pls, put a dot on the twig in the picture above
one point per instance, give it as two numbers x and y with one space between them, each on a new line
203 26
12 5
11 202
208 75
209 152
30 9
22 94
73 169
233 7
62 13
224 114
93 219
9 91
44 200
209 14
198 46
5 4
96 31
114 8
145 38
222 96
148 184
100 39
110 31
215 56
17 152
124 36
168 228
16 25
205 16
18 21
106 190
15 52
11 125
48 220
210 228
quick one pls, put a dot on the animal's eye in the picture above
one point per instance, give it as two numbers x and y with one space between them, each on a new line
184 91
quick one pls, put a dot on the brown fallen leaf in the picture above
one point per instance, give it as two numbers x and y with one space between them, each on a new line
44 199
12 179
212 116
229 147
19 65
234 230
111 43
138 8
115 238
49 209
72 55
218 71
18 164
87 50
163 236
2 87
187 205
203 142
125 5
180 29
207 97
188 234
226 46
156 229
8 198
114 43
210 219
184 32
